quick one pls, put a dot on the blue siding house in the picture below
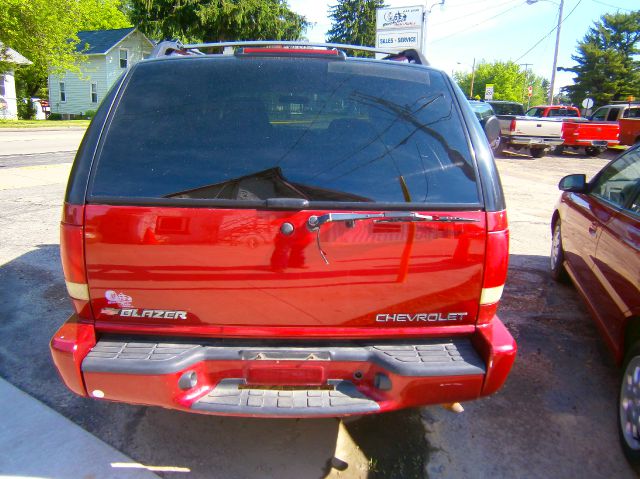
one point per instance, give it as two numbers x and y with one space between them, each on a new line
108 53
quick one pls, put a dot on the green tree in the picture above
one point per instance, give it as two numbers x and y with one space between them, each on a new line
354 22
44 31
509 82
217 20
607 65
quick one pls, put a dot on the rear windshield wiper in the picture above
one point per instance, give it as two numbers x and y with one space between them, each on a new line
314 223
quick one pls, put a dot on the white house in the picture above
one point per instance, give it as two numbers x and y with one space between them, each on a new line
108 53
8 101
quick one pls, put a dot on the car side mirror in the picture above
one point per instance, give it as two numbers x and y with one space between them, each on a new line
574 183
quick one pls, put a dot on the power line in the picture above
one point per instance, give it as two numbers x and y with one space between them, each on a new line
466 29
547 35
612 6
476 12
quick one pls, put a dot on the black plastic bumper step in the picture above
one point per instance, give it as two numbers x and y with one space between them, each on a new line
229 397
423 358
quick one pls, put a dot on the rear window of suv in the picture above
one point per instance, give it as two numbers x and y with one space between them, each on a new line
249 129
507 108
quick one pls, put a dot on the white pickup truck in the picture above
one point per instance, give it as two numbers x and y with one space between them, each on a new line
537 134
519 131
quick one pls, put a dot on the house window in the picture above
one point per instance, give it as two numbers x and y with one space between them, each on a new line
2 90
63 93
124 58
94 93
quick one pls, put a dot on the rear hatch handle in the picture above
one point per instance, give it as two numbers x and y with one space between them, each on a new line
314 223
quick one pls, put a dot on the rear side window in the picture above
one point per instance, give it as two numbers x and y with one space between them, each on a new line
600 114
619 181
251 129
613 114
482 110
508 108
537 112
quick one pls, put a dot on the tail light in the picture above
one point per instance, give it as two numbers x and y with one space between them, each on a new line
496 264
512 125
72 256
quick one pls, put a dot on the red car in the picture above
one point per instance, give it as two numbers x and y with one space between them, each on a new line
596 243
280 231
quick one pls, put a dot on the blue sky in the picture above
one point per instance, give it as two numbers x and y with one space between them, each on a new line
492 30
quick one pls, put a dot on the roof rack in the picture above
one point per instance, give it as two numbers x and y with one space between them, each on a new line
175 47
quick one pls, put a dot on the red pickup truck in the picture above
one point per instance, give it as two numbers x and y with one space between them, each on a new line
629 131
553 111
578 132
594 137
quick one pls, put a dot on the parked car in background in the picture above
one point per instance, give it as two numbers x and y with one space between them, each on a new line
596 243
578 132
505 111
553 111
489 121
615 112
629 131
326 236
538 135
595 137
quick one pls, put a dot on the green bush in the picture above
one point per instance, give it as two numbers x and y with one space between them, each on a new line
55 116
25 109
88 115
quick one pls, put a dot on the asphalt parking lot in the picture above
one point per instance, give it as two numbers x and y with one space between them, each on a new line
554 418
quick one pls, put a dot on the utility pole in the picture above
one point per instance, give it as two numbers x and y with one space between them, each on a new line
526 79
555 54
425 16
473 77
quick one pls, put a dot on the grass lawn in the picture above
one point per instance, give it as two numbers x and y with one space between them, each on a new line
42 123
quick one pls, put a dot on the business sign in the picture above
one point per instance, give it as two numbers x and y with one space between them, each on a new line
400 40
399 28
488 91
400 17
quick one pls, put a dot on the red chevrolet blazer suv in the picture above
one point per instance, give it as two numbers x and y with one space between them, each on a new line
282 230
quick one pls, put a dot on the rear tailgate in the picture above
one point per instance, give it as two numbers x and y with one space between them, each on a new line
200 269
537 127
589 133
199 201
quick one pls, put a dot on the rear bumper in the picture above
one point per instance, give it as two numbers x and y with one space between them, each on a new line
286 379
534 141
596 143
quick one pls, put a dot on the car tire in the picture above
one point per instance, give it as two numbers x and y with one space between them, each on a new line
499 151
629 407
558 150
537 152
556 257
593 151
